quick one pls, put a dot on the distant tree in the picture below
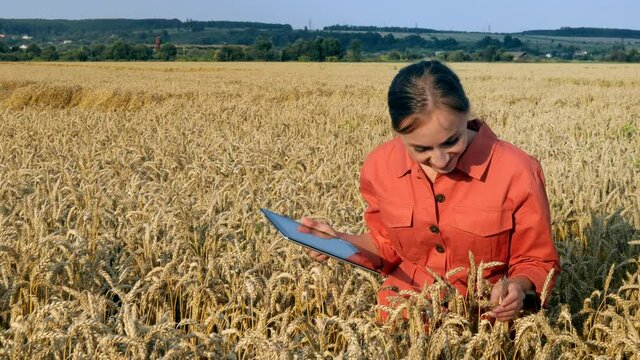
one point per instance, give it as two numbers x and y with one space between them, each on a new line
164 36
414 41
229 53
195 26
507 40
119 50
331 47
33 50
77 54
10 57
617 54
139 52
633 55
263 49
4 48
354 53
411 54
490 53
97 52
141 36
511 42
394 55
458 56
370 41
50 53
488 41
167 52
503 56
315 50
445 44
295 50
388 41
318 49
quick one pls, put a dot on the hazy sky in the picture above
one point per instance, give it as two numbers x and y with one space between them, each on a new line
466 15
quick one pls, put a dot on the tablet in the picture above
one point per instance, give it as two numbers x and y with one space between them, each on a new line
331 246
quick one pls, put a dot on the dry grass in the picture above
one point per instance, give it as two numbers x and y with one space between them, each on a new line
129 198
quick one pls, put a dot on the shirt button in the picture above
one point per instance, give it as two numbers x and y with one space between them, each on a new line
440 248
440 198
434 229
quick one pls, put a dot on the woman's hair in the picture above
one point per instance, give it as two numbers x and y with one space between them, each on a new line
422 87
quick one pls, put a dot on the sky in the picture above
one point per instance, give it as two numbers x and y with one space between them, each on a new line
460 15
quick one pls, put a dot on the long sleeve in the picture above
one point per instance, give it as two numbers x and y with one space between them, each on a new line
377 229
532 253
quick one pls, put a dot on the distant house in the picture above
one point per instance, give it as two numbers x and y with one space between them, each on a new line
27 37
23 47
2 36
65 42
517 55
548 55
581 53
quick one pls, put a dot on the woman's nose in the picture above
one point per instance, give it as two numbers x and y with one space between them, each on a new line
439 159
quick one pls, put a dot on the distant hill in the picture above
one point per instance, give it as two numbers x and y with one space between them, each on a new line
46 28
388 29
43 27
587 32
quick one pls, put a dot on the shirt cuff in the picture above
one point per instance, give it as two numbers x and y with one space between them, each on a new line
388 265
537 275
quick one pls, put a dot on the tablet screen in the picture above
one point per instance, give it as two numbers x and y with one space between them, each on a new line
331 246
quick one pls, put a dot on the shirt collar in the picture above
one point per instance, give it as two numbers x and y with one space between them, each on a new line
476 157
402 161
473 161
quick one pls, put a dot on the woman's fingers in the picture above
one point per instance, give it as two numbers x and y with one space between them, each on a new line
317 228
507 312
510 304
308 221
497 293
317 256
513 306
506 316
513 298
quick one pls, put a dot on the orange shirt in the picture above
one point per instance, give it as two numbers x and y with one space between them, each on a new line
492 204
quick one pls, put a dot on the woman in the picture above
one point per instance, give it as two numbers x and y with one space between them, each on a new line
446 186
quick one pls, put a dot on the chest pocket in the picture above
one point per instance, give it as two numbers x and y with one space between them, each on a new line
398 219
484 231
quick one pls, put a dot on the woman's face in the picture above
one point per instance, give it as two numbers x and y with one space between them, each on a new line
438 138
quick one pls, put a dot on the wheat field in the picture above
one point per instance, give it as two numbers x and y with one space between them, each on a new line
129 197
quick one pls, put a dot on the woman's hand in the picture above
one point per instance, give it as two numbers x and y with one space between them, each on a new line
508 295
317 228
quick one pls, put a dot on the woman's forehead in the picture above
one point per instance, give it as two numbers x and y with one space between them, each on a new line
435 127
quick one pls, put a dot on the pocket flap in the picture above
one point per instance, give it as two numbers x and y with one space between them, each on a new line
482 221
395 215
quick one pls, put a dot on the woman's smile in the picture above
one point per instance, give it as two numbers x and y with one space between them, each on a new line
438 139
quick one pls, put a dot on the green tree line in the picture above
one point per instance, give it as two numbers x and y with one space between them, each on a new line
316 49
587 32
117 51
